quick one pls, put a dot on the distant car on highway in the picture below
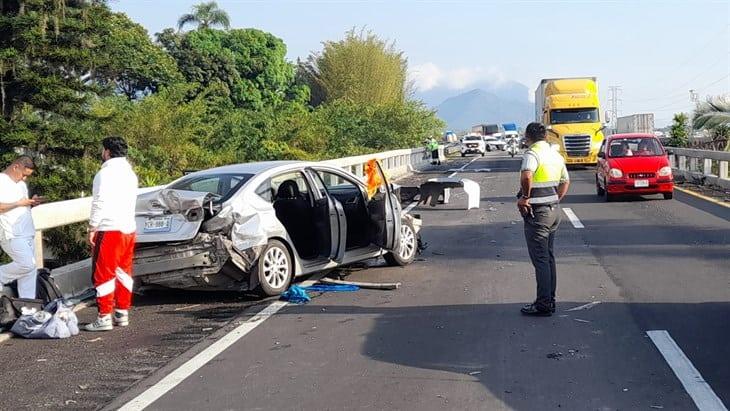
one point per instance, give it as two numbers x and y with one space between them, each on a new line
472 144
256 226
492 142
633 164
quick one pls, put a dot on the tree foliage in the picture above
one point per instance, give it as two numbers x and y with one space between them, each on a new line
712 113
679 131
361 68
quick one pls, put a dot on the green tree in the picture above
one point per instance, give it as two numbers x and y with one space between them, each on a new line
250 65
361 68
679 131
205 15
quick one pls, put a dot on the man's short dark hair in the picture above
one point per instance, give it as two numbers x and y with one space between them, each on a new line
535 132
24 161
116 145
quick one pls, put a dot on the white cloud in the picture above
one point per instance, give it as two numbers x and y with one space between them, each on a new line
429 75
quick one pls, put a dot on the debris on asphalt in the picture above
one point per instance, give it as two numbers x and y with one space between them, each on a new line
513 222
626 390
95 339
437 253
657 407
207 328
334 286
581 321
69 402
554 355
585 306
186 307
475 373
360 284
84 387
295 295
41 360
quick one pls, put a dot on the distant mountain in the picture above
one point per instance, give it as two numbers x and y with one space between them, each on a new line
479 106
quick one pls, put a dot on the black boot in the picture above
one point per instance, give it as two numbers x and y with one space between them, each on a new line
535 310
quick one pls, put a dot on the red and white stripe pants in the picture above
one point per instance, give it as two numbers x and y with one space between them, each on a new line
112 262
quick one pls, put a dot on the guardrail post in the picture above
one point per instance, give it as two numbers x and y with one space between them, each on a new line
723 170
707 169
694 164
38 249
683 163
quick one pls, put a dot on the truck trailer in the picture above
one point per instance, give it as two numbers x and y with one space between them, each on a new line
570 110
635 123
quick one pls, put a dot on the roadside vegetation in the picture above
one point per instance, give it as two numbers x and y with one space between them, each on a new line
72 72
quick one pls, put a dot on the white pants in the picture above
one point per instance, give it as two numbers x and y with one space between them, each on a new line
22 268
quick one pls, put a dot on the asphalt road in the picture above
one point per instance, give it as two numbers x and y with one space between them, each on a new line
452 336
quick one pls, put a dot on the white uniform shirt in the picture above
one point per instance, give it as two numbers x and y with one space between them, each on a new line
115 197
18 222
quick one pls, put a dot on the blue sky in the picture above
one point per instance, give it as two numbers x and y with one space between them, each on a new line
655 50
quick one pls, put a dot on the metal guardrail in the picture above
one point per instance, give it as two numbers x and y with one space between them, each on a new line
705 166
62 213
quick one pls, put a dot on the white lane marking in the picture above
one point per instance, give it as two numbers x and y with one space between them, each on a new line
463 167
171 380
692 381
573 218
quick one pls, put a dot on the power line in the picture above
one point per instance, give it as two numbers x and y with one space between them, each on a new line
614 103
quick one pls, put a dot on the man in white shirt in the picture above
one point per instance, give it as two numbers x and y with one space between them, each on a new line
112 233
16 227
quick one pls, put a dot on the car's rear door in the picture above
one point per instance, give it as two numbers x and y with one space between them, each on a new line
332 215
384 210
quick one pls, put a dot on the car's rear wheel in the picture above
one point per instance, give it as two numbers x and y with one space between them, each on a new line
489 148
273 269
668 196
462 154
406 252
599 190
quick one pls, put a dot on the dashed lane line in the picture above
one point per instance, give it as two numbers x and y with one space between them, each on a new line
573 218
698 389
463 167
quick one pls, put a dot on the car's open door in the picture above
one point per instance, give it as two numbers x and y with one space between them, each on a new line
384 209
330 220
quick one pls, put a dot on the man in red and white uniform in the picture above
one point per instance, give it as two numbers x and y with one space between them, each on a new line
112 230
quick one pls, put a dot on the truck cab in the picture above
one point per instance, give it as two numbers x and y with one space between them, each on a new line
570 110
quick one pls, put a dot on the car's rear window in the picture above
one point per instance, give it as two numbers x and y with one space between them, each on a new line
223 185
635 147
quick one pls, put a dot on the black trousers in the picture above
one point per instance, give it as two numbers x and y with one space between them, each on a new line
540 229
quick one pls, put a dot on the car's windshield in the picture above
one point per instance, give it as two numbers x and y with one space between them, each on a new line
472 138
635 147
574 115
223 185
491 129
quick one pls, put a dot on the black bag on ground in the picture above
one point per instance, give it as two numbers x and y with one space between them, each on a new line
12 308
46 289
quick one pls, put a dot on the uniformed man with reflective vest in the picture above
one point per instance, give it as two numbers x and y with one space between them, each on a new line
543 183
112 232
433 147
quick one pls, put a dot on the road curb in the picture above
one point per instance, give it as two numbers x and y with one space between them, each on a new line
7 335
703 197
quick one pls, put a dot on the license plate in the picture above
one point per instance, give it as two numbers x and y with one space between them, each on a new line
157 225
641 183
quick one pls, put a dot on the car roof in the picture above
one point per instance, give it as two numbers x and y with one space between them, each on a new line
247 168
632 135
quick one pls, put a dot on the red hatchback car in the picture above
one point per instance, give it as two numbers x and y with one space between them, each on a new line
633 164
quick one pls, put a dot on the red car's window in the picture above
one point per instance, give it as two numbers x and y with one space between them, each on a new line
635 147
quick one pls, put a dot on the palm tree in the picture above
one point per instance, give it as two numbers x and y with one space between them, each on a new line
205 15
714 116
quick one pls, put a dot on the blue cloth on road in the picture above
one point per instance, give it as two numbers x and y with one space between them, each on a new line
296 295
332 287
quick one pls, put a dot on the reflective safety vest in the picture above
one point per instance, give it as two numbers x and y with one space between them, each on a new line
433 145
546 178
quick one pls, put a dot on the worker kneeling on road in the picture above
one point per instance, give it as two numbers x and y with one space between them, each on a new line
112 230
17 231
543 183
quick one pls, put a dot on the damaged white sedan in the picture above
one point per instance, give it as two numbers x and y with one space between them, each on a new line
255 226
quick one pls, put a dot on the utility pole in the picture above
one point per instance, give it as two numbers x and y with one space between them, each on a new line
614 101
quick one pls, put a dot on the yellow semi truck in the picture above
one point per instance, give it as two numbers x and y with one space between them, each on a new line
570 110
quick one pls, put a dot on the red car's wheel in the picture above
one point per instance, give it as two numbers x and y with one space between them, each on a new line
600 191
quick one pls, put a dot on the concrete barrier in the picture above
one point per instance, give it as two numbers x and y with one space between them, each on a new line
702 166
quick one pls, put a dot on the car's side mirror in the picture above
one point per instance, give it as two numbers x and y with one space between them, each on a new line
601 154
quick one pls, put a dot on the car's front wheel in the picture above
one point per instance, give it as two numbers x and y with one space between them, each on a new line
599 190
273 269
406 252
